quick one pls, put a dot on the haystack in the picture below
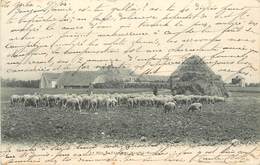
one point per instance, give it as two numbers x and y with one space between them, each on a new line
193 76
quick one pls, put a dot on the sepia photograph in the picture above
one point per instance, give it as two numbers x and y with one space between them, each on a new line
130 82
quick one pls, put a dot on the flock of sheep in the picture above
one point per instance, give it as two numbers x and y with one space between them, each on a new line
110 101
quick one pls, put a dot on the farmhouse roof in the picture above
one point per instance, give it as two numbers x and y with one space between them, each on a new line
51 76
83 78
77 78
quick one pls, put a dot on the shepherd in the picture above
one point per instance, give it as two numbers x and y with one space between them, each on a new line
90 89
155 91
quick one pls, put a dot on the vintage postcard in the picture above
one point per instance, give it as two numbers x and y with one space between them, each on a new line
130 82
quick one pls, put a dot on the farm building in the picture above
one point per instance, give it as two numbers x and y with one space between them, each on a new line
103 77
238 81
193 76
49 80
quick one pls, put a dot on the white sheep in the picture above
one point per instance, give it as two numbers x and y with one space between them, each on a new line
15 99
86 101
73 102
111 102
93 103
31 100
169 106
130 102
195 106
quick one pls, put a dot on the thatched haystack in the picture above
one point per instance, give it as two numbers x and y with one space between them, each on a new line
193 76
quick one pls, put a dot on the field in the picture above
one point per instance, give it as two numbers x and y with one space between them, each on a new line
237 118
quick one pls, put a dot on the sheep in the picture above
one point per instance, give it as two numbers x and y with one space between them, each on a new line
195 98
194 107
162 100
235 142
80 99
101 101
31 100
44 100
111 103
131 102
15 99
134 102
149 101
159 102
62 101
73 102
118 98
93 103
57 99
217 99
51 100
86 101
169 106
141 101
204 99
181 99
123 99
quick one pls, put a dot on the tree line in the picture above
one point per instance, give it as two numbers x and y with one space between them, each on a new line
20 83
252 84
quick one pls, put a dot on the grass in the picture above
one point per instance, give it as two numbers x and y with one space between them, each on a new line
238 118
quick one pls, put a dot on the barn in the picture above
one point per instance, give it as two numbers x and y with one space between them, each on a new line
108 76
193 76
